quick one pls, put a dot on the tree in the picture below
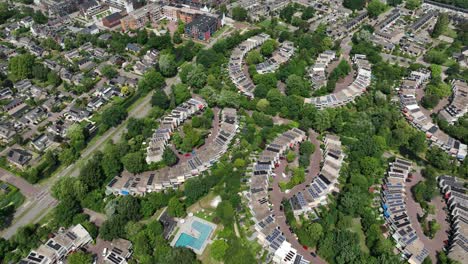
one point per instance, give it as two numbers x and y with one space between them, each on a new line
181 93
175 207
430 101
225 212
287 13
413 4
263 105
194 75
21 65
40 72
438 158
77 137
176 38
208 58
354 4
91 174
79 257
295 85
254 57
109 72
112 228
113 115
111 164
128 207
134 162
312 234
268 47
152 80
441 25
68 187
239 13
180 255
161 100
308 13
218 249
66 210
375 8
167 65
169 157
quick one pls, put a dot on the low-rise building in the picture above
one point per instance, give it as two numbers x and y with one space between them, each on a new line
347 95
19 157
280 56
58 247
455 194
236 63
172 177
458 106
119 252
395 214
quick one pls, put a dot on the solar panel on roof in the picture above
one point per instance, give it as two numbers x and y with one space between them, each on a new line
71 235
112 182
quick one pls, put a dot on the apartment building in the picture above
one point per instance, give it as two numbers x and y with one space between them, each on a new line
202 27
138 18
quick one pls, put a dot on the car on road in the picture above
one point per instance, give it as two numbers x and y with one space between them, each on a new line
313 254
104 252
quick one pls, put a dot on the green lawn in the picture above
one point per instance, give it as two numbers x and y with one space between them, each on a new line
14 197
357 228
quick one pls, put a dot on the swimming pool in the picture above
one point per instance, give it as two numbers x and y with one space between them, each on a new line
203 231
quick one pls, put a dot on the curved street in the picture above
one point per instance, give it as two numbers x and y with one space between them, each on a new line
414 210
276 197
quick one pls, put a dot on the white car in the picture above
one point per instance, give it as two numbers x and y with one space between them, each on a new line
104 252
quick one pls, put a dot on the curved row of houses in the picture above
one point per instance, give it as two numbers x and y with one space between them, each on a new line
395 213
413 113
280 56
458 106
268 232
317 72
325 183
160 138
347 95
171 177
239 77
456 195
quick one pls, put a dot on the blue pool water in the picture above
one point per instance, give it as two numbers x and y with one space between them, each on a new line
186 240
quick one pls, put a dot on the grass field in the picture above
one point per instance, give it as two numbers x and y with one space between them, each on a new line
357 228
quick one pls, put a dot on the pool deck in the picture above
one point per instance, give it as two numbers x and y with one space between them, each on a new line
186 228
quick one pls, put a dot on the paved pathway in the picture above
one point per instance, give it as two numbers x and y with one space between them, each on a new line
276 197
414 210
